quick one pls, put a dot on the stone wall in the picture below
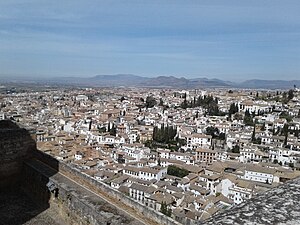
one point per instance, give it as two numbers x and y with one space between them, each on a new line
34 184
75 206
16 145
146 211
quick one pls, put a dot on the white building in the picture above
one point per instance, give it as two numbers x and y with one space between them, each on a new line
198 140
259 174
241 191
146 173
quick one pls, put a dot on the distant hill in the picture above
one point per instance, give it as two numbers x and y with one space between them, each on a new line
130 80
139 81
269 84
117 80
165 81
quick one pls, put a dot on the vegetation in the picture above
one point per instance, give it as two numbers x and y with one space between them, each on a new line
176 171
150 102
236 149
285 115
248 118
102 129
165 134
233 109
161 102
263 127
165 137
208 102
253 134
122 98
165 209
215 133
112 130
287 96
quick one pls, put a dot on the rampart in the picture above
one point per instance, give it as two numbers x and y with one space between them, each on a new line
94 184
74 204
16 145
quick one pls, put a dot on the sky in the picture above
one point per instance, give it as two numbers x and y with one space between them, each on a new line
229 39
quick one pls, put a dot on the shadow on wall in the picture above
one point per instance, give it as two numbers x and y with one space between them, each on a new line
24 192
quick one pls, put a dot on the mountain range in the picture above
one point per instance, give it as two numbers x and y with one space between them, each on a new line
129 80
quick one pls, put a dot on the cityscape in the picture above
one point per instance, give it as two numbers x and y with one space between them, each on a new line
153 112
184 153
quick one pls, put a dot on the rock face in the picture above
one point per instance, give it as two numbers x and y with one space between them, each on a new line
16 145
280 205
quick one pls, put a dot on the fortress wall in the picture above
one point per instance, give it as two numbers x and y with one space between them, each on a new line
16 145
91 182
34 184
69 201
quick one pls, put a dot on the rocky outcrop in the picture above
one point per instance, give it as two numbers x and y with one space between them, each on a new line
280 205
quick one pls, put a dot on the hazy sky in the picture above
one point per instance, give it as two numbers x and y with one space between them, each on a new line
215 39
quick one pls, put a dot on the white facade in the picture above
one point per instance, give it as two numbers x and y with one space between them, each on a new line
281 155
240 194
198 140
259 176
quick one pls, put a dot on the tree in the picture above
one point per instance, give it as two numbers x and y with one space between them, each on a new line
184 104
102 129
213 131
208 102
285 139
165 134
290 94
285 132
176 171
113 131
161 102
233 109
122 98
248 120
253 139
236 149
286 116
263 127
150 102
222 136
169 212
164 209
267 181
